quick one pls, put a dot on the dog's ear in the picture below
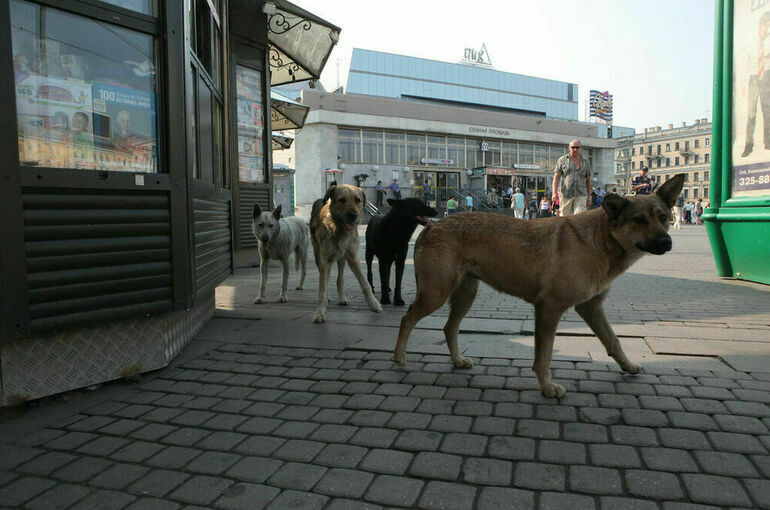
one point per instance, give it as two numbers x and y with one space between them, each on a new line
330 192
257 210
277 212
671 189
613 205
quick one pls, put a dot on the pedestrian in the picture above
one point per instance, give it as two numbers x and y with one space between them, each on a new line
545 207
699 212
555 207
600 197
469 202
380 193
426 189
518 204
642 184
678 210
688 212
594 197
396 189
572 180
451 206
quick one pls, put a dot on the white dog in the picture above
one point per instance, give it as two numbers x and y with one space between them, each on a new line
278 238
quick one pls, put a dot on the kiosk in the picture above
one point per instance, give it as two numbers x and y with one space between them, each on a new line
738 216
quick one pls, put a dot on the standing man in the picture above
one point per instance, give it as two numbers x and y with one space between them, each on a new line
518 204
396 189
380 193
642 184
573 177
426 192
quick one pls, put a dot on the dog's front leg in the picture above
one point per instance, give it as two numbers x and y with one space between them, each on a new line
285 282
355 266
592 311
546 321
385 264
264 264
341 298
400 262
324 269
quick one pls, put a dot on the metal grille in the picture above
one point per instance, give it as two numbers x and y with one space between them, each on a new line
95 255
213 256
246 199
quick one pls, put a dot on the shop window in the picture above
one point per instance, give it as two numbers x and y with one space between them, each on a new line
415 149
250 124
456 151
436 147
526 154
86 92
372 147
395 148
148 7
350 145
492 154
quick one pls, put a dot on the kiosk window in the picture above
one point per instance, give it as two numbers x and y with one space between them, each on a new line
86 93
148 7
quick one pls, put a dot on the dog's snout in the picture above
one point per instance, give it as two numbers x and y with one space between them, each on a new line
657 246
352 216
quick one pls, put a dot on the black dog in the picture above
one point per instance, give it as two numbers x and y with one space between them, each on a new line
387 236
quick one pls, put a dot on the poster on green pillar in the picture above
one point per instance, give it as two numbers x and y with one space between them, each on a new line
751 99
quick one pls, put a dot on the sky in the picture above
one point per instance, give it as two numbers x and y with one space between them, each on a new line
654 56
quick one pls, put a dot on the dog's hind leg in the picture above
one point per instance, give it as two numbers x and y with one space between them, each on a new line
400 263
460 302
355 266
592 311
429 299
546 321
341 298
300 259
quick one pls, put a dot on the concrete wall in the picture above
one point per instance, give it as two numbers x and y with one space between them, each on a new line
316 150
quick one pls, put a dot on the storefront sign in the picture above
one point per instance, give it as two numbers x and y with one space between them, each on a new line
488 131
432 161
480 56
491 170
526 167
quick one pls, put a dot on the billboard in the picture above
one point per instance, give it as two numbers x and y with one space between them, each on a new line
600 105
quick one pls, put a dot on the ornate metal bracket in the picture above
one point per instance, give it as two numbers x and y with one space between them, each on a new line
280 24
277 63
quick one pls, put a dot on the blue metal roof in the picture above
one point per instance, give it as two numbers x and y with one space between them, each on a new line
403 77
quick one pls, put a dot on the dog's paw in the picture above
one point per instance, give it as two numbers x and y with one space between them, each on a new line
376 307
343 301
282 299
631 367
398 302
462 362
298 287
319 316
258 300
553 390
399 358
385 300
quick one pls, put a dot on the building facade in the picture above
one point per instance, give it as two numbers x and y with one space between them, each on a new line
666 152
454 125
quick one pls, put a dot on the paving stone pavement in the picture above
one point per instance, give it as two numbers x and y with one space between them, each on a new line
266 410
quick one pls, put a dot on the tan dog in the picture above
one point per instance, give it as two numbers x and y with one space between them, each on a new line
553 263
334 233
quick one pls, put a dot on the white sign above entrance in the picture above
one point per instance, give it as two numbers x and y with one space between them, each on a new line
433 161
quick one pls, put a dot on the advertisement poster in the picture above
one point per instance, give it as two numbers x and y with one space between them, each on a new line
124 122
751 99
250 125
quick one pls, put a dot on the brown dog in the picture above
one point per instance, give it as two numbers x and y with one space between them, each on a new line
553 263
334 233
